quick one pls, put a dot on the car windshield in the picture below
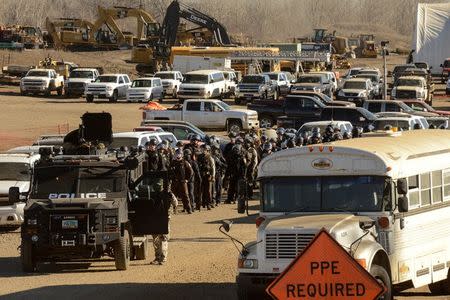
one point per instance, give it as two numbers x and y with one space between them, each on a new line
421 65
408 82
139 83
328 193
373 78
81 74
400 124
399 69
357 85
124 142
165 75
253 79
14 171
196 78
308 79
62 181
106 79
419 106
273 76
223 105
38 73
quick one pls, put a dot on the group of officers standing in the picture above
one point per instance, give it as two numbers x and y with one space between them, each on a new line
200 170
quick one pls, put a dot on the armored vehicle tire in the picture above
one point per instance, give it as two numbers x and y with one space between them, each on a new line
27 256
89 98
383 277
122 251
114 97
141 252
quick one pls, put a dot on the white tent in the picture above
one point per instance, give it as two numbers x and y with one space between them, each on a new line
431 40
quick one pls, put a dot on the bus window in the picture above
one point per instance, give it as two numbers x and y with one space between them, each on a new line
425 189
447 185
436 181
413 191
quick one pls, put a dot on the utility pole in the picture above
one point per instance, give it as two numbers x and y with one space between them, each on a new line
384 47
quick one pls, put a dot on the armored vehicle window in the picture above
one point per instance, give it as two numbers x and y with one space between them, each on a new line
100 185
54 180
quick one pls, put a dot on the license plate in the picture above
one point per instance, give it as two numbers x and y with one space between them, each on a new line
68 243
69 224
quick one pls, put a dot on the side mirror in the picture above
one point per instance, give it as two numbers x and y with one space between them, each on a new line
226 225
403 204
402 186
13 195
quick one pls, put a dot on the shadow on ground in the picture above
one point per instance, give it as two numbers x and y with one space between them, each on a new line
166 291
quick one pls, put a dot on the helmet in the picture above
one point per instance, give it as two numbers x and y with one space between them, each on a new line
196 137
329 129
179 144
166 143
291 130
187 152
206 147
231 134
178 154
316 130
161 146
267 147
152 142
299 141
237 149
280 130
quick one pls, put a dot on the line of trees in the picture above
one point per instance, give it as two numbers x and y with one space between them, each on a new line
274 20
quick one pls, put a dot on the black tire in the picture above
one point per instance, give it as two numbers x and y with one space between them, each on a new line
383 277
27 256
234 126
114 97
89 98
141 252
122 251
237 101
59 91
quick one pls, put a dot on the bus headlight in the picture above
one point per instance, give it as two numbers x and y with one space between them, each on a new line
247 263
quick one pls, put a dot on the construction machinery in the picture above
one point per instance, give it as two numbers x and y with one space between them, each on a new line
367 48
104 33
10 39
209 32
61 67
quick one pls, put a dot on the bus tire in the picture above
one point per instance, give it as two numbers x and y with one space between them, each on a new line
380 274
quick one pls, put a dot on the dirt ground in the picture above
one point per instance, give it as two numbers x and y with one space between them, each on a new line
201 263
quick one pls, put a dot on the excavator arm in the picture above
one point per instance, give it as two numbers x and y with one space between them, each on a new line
177 10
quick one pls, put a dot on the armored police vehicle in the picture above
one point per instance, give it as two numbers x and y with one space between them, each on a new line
87 202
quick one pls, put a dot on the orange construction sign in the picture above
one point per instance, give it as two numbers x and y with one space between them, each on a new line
324 270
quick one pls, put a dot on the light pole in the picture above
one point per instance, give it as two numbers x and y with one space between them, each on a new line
384 46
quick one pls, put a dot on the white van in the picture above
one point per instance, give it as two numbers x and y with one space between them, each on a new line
15 171
203 84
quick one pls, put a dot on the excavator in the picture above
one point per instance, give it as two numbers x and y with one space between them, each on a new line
172 32
104 33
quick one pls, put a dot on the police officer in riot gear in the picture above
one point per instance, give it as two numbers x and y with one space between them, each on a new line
208 173
181 174
221 166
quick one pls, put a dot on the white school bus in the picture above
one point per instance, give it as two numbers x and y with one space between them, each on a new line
385 199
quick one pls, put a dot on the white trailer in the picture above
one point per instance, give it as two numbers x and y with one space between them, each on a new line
431 40
186 63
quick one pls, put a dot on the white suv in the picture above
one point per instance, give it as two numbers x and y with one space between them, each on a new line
203 84
15 171
145 89
110 86
140 138
171 81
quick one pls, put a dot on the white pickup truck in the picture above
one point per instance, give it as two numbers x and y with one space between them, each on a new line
171 81
78 79
111 86
42 81
208 114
